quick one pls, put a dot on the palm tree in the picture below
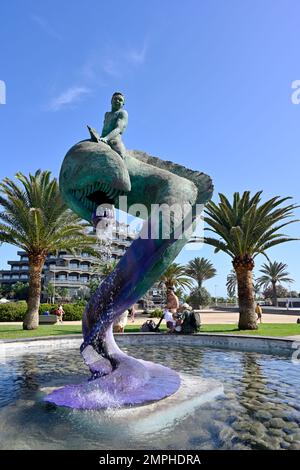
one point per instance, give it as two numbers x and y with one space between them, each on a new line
200 269
231 283
245 229
274 273
106 268
36 219
256 288
174 276
50 291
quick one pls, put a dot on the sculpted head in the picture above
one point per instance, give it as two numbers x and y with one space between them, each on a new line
117 101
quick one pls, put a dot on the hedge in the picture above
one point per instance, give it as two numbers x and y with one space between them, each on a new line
15 311
157 313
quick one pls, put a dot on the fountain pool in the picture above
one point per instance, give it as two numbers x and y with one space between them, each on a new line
259 408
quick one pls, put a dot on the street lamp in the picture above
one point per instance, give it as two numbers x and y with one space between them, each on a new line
290 285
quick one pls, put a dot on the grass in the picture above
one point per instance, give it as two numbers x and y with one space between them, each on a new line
264 329
267 329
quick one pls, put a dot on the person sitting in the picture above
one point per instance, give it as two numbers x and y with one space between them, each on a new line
179 321
170 321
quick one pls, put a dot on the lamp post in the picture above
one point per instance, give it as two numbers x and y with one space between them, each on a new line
290 299
216 302
54 286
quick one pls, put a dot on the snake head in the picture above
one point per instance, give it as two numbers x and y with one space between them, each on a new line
92 174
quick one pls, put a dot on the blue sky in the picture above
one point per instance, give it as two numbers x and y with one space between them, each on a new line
208 84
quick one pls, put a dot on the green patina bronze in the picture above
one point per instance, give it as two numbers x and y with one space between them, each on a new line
115 123
93 173
100 171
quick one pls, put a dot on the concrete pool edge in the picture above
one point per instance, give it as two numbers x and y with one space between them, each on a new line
263 344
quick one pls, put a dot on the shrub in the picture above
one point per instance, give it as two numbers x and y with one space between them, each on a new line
46 308
15 311
73 312
199 297
157 313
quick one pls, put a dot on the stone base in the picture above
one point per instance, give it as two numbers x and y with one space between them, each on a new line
193 392
149 418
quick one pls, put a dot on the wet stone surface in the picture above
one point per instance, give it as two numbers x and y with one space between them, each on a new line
259 410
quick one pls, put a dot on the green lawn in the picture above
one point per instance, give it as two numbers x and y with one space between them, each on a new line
268 329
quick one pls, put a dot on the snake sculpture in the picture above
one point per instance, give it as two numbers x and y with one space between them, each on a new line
93 174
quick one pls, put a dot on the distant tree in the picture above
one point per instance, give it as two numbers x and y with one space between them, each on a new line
174 276
281 292
180 293
231 284
107 268
200 269
6 291
20 290
50 291
199 297
274 273
93 285
83 293
256 288
63 293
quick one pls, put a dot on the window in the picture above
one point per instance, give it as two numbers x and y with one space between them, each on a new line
84 266
74 264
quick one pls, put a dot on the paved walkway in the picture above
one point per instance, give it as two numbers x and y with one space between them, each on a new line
207 317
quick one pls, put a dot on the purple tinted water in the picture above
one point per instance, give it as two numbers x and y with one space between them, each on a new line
259 410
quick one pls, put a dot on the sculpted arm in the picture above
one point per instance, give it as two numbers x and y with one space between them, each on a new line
120 127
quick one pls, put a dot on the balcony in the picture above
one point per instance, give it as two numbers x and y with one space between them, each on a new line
69 283
55 269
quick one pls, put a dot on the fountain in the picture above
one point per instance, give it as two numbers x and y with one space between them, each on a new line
100 173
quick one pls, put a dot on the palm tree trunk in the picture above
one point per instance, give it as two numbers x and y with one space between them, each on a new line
275 301
247 320
31 320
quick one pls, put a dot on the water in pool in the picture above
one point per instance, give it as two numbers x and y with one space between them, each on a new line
260 408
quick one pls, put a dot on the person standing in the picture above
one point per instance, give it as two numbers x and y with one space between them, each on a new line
120 323
60 313
258 311
172 300
132 312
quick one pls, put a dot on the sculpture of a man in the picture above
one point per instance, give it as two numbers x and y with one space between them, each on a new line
115 123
